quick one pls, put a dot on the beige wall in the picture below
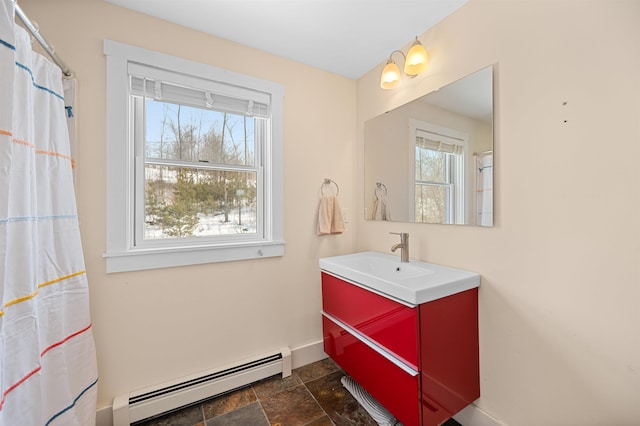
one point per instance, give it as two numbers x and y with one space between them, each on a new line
559 313
151 326
560 292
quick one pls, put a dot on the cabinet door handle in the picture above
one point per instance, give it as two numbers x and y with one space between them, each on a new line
372 345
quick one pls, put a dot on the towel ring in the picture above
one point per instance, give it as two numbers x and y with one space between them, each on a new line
381 190
328 182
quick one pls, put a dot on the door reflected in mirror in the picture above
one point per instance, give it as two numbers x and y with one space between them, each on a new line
431 160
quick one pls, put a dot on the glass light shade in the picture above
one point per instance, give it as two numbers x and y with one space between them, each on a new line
390 77
417 59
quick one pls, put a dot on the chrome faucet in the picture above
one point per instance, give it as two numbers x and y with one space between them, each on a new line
404 245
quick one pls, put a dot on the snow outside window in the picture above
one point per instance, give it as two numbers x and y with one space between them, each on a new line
194 162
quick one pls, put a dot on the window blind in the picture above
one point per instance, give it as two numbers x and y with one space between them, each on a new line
167 86
441 143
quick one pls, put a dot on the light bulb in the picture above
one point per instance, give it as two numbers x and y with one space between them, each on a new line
390 77
417 59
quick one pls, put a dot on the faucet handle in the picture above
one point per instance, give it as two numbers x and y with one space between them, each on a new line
402 234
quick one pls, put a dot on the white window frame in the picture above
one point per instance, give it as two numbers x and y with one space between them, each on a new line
449 136
121 252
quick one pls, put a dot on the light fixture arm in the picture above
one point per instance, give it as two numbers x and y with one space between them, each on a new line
404 57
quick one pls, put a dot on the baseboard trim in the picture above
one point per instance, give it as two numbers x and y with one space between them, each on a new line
474 416
300 357
307 354
104 416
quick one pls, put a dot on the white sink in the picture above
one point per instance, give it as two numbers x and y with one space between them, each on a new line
413 283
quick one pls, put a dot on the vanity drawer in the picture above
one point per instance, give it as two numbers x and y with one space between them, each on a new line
394 388
387 322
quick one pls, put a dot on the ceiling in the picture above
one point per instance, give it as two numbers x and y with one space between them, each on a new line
346 37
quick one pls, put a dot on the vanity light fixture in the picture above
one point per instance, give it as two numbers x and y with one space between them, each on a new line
415 62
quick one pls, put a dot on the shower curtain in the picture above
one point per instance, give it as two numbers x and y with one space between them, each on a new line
484 189
48 371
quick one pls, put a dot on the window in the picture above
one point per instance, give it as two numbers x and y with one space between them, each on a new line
194 162
438 173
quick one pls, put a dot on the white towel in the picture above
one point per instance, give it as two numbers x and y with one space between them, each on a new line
380 209
330 216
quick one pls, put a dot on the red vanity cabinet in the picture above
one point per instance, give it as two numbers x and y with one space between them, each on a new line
420 362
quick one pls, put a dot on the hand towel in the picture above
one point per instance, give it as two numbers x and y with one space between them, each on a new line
374 209
330 216
381 210
385 212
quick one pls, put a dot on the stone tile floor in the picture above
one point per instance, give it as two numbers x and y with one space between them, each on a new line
312 396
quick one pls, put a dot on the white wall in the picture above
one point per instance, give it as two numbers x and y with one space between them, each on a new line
560 292
151 326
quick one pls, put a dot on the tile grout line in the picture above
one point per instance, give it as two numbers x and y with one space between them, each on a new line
204 418
317 402
302 383
314 398
259 401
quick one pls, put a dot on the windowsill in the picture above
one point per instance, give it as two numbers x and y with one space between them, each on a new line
154 258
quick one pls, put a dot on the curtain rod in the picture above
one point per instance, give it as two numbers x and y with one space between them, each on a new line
46 46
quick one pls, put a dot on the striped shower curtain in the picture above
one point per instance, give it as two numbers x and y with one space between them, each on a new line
484 189
48 371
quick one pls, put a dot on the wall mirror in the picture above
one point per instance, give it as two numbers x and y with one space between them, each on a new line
431 160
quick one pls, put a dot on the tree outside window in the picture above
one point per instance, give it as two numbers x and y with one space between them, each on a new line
196 177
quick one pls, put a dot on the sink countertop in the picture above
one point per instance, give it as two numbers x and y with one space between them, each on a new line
412 283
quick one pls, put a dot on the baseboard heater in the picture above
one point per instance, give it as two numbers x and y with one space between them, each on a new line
139 405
